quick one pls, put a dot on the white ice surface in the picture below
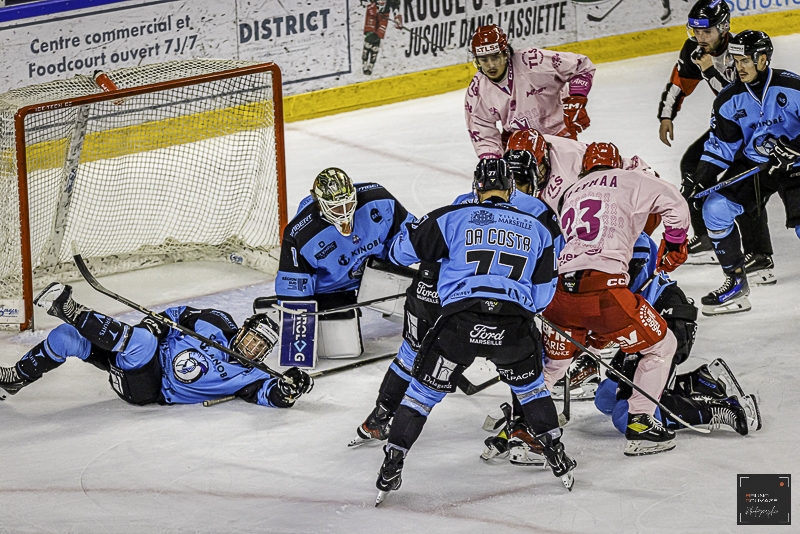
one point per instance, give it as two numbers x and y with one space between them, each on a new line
74 458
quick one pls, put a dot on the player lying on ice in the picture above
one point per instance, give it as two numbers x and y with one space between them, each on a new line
493 278
152 363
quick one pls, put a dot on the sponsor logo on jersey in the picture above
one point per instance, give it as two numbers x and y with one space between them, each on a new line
649 318
481 218
486 335
767 122
616 282
556 61
514 221
427 293
444 368
189 366
326 250
295 284
365 248
532 57
781 100
509 376
534 91
367 187
343 260
740 114
356 239
375 215
300 225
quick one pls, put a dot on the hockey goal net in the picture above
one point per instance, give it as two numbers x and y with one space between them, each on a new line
180 161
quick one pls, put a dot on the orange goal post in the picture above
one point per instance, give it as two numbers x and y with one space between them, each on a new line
178 161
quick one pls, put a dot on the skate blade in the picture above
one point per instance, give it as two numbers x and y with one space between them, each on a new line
568 480
585 392
381 496
764 277
639 447
750 405
491 453
528 462
702 258
359 441
721 372
739 305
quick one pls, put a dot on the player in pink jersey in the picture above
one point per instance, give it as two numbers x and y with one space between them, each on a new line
529 89
601 215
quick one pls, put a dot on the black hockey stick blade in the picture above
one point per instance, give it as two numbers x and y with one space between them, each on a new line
340 308
620 376
730 181
567 395
468 388
89 277
595 18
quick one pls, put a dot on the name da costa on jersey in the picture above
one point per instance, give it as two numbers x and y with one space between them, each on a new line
497 236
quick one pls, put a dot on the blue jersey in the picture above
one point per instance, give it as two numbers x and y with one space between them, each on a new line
316 258
641 268
531 205
490 250
193 372
742 120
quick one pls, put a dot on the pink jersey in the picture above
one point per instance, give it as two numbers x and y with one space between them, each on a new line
604 213
529 97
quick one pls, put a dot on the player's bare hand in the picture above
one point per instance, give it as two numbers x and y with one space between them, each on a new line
666 130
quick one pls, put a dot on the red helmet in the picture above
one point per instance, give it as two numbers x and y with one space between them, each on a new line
601 155
488 40
528 158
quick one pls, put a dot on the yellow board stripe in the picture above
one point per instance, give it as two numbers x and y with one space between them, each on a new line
446 79
154 135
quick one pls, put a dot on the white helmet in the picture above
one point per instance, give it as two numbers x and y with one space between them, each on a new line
336 196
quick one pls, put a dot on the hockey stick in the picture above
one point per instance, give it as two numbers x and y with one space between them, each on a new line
340 308
87 274
468 388
595 18
730 181
620 376
326 372
567 395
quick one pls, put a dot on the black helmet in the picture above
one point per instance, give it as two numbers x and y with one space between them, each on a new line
492 174
710 13
751 43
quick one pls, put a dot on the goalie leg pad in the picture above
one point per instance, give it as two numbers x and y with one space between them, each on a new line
381 280
339 336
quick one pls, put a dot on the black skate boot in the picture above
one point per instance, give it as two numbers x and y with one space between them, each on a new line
730 298
375 428
389 478
10 381
646 435
728 412
700 383
759 269
701 251
57 301
496 446
523 448
558 460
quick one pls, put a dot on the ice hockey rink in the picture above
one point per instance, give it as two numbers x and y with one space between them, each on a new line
74 458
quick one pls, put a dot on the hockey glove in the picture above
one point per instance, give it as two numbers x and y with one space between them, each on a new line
575 117
157 328
295 382
783 156
671 255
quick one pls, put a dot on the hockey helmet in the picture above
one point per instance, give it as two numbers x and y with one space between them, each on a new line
256 338
336 196
488 40
492 175
709 14
601 155
528 158
751 43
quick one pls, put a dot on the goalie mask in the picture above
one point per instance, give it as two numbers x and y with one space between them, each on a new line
601 156
336 197
256 338
528 160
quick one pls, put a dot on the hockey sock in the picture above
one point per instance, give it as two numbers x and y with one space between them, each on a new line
407 426
728 250
105 332
755 233
392 390
35 363
541 414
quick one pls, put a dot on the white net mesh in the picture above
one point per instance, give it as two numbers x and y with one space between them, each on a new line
187 173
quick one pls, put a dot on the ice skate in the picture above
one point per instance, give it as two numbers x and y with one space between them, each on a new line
728 412
584 379
56 299
495 447
10 381
750 405
558 460
720 372
523 448
759 269
702 383
731 297
701 251
646 435
389 478
375 428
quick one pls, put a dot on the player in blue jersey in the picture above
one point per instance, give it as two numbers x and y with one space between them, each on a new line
422 306
152 363
326 245
497 270
755 122
708 395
